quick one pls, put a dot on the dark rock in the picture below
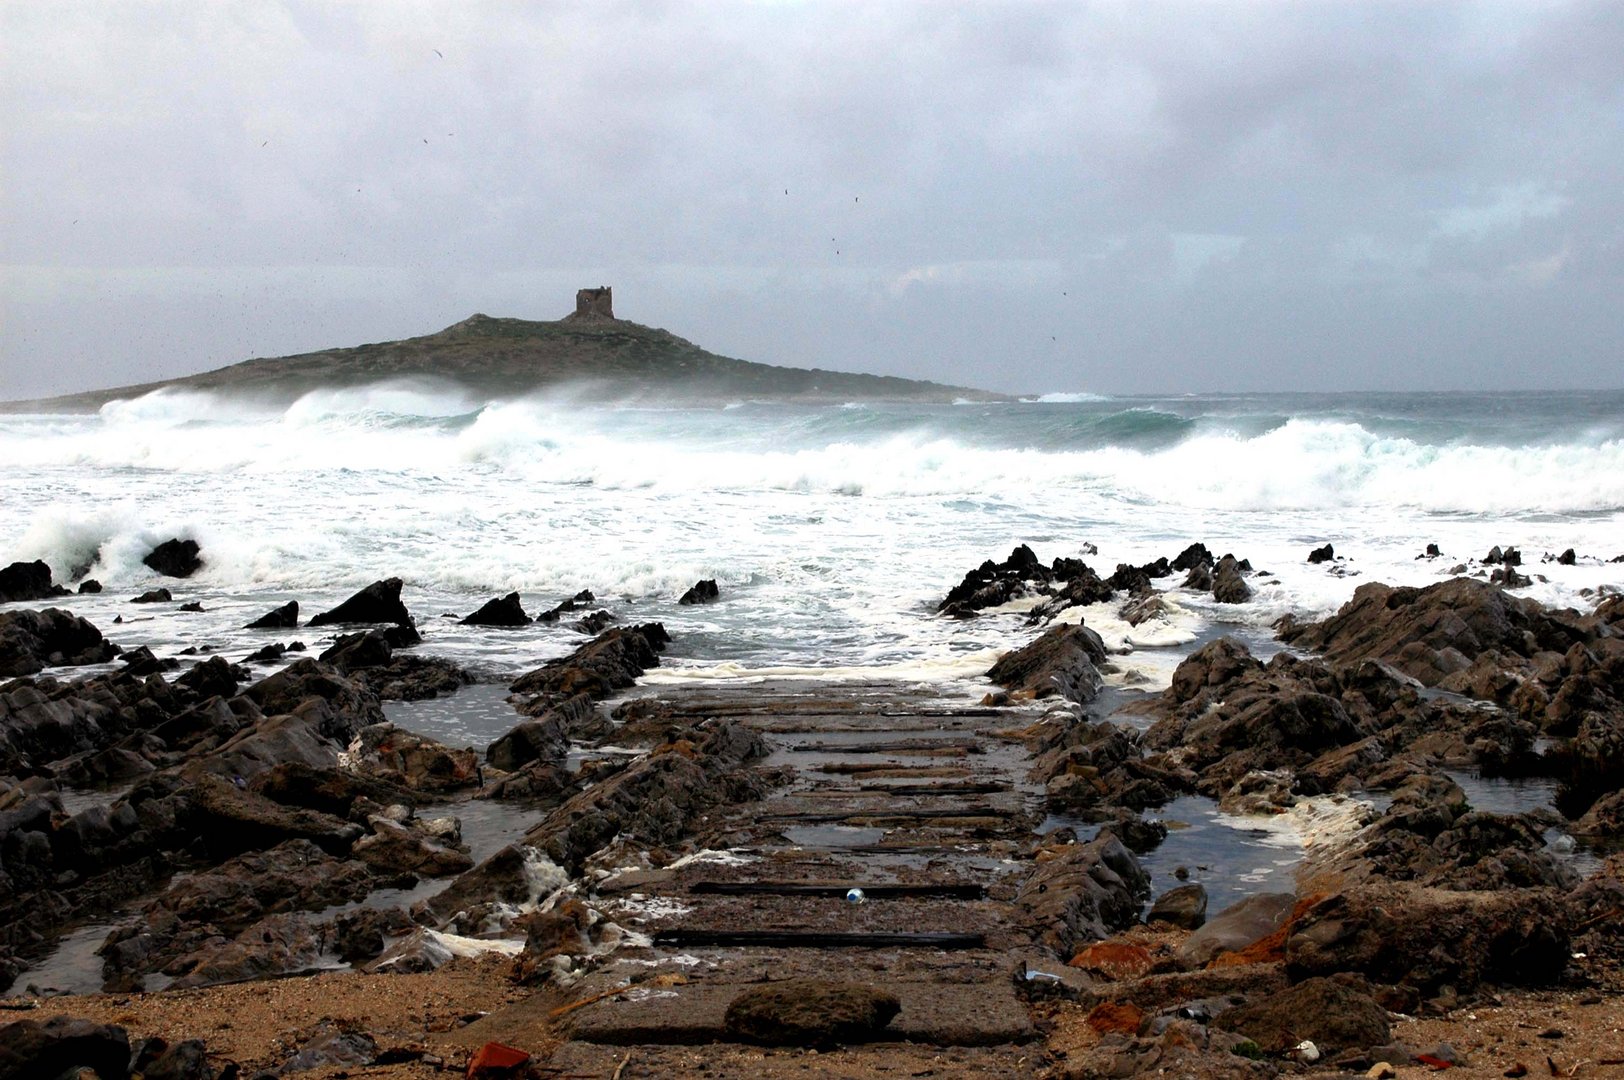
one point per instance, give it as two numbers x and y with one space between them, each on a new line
415 762
702 592
28 581
89 586
1228 586
352 652
360 934
60 1046
810 1012
413 678
611 661
544 739
185 1060
281 618
377 603
1193 556
1336 1015
153 596
1199 578
1427 938
1237 926
1062 661
1084 892
1322 554
270 654
1509 578
195 607
1494 557
332 1046
231 818
1184 906
1132 580
1512 557
574 603
142 662
394 848
1432 552
502 611
993 584
214 677
1430 633
174 558
33 640
594 623
1567 558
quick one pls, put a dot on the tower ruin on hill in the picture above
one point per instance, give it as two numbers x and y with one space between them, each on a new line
593 305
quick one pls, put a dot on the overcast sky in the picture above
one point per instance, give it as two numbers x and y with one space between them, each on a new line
1115 197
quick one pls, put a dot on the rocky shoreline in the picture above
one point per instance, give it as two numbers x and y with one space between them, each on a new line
682 892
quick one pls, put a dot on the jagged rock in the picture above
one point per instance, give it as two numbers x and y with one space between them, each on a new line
993 584
810 1012
31 641
1228 586
185 1060
174 558
153 596
281 944
332 791
611 661
281 618
574 603
413 761
1568 558
1426 938
656 799
1062 661
1183 906
1098 771
594 623
231 818
1322 555
1336 1015
1193 556
392 847
28 581
214 677
377 603
1084 892
1432 632
502 611
89 586
701 592
60 1046
352 652
360 934
545 739
1199 578
142 662
407 677
331 1046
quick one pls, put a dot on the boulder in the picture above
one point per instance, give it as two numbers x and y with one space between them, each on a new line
1427 938
502 611
1062 661
282 618
89 586
394 848
153 596
407 677
701 592
1237 926
993 584
810 1012
1193 556
352 652
61 1046
377 603
1336 1015
546 739
1184 906
1322 555
360 934
281 944
28 581
33 640
174 558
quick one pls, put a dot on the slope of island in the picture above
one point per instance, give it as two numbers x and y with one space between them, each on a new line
590 354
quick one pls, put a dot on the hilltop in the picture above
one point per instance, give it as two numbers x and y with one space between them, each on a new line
590 354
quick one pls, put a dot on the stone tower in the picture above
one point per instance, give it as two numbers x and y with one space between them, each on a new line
593 305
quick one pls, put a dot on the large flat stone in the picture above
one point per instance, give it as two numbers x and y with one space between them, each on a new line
941 1014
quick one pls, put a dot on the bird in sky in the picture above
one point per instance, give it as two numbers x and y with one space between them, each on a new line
440 54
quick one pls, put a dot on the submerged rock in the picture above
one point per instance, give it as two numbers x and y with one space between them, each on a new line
701 592
282 618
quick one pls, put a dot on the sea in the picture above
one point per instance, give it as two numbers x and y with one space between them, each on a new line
832 531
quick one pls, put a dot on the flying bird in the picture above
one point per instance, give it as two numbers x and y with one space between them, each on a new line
440 54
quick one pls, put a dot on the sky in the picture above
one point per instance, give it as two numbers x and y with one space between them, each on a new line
1133 197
